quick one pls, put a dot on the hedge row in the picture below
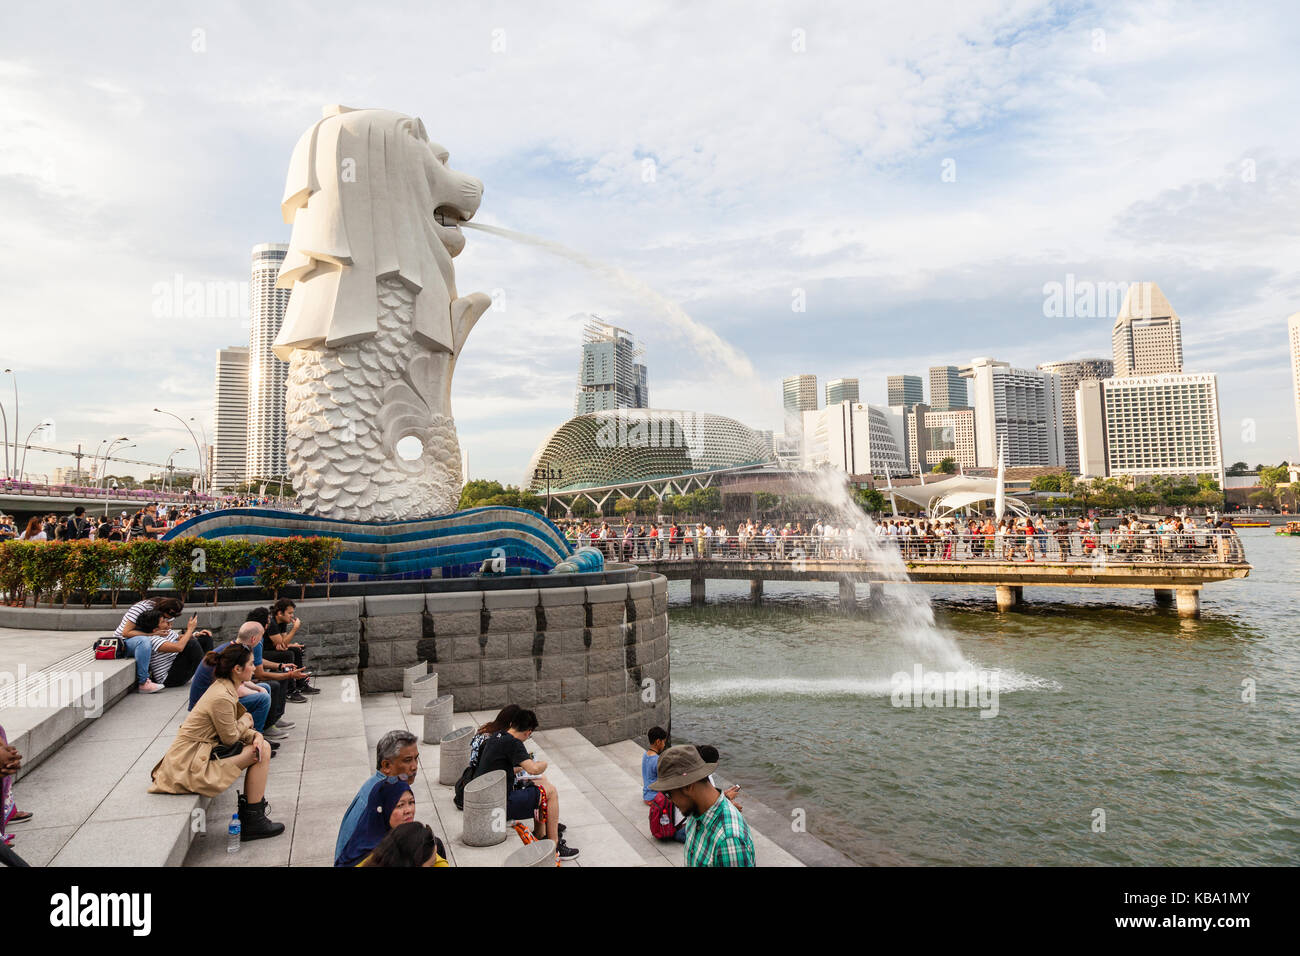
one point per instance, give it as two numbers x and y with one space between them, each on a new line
49 568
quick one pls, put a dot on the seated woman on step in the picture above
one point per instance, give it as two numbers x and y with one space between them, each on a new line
217 743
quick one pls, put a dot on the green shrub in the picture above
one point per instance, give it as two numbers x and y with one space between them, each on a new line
187 562
144 560
44 568
275 564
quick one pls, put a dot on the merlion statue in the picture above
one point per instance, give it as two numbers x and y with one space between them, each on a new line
374 323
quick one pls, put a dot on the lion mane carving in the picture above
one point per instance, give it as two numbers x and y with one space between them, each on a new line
374 324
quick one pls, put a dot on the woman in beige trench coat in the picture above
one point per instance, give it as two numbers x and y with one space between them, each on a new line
220 719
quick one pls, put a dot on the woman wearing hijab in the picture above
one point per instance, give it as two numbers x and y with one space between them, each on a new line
390 800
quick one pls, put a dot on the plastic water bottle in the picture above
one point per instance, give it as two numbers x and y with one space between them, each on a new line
232 839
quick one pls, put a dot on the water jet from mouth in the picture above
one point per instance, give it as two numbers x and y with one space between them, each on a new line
704 339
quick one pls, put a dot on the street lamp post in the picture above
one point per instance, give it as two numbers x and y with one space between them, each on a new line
26 443
94 461
110 452
5 419
10 371
547 475
95 464
188 429
205 481
169 468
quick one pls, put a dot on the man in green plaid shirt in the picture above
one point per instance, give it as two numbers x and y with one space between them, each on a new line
716 833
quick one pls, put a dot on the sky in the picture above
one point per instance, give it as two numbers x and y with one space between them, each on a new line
843 189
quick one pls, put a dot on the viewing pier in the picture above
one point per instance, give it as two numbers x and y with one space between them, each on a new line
1175 571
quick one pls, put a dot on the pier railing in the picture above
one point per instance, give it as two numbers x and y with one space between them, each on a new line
1195 546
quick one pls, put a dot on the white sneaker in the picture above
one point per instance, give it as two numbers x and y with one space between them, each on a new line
149 687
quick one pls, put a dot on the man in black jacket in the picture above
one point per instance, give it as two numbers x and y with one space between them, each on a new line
78 524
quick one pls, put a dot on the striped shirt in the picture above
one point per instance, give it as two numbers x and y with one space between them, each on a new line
132 615
160 664
719 838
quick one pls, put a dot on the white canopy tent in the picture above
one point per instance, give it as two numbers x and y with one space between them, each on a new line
941 499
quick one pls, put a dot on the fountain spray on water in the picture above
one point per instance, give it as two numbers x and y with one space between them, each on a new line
904 605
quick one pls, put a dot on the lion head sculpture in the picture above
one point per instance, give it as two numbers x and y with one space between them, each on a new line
370 196
374 324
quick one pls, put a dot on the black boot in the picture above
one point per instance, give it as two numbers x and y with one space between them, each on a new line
254 823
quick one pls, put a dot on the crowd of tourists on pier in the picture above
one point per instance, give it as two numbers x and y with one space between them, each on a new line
916 538
151 521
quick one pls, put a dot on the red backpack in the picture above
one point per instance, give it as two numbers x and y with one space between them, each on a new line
661 817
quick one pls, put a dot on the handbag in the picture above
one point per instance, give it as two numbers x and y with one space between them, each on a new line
109 648
222 751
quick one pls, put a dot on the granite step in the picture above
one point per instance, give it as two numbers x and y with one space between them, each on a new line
43 706
90 796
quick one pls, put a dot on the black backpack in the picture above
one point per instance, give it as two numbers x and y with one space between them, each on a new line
465 777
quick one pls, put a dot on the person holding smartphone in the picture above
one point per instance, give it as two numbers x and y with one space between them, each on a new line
175 657
281 648
217 743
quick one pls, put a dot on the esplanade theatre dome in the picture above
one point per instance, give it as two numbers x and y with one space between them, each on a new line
637 444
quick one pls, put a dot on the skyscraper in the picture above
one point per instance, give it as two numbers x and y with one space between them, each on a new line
934 434
1139 425
1071 374
800 394
264 456
905 390
858 439
1150 418
1147 337
947 388
1293 331
841 390
609 375
230 421
1017 410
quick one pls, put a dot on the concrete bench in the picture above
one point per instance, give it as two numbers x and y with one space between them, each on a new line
411 674
485 810
437 718
424 690
453 755
540 853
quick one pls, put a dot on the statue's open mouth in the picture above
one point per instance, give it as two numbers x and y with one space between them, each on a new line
449 217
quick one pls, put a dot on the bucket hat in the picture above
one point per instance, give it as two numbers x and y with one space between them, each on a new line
681 766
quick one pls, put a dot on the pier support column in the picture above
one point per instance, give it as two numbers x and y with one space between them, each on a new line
1164 596
875 596
1009 596
1189 602
756 591
848 596
697 590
